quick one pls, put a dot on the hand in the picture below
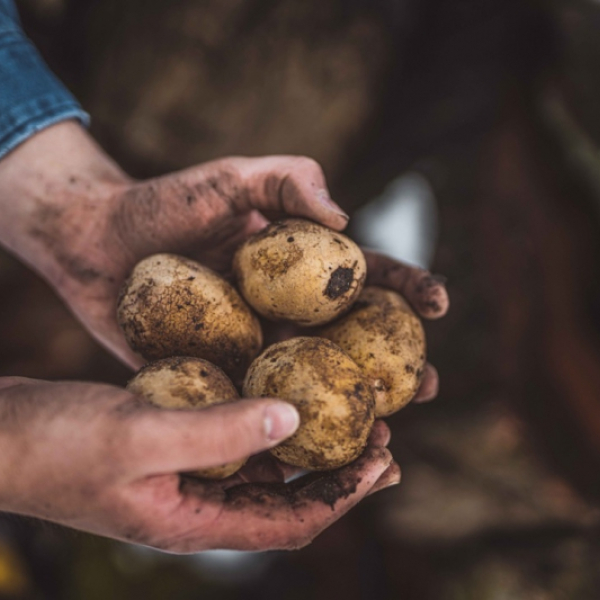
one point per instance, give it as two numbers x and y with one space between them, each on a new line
83 224
95 458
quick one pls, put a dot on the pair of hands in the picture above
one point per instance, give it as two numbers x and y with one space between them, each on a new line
96 458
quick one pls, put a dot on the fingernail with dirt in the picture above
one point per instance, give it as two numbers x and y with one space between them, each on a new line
325 199
281 420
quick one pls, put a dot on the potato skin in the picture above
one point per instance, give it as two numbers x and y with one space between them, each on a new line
331 394
295 270
187 383
386 339
173 306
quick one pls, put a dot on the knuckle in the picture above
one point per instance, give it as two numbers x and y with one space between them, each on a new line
307 163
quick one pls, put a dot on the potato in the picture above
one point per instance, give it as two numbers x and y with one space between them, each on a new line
333 398
299 271
386 339
187 383
173 306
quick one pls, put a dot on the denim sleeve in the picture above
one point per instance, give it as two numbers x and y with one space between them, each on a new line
31 97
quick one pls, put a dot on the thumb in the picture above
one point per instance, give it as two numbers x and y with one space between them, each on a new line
185 440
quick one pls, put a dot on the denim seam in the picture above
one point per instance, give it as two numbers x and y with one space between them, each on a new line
32 108
36 121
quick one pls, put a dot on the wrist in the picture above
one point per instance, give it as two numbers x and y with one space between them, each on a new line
53 194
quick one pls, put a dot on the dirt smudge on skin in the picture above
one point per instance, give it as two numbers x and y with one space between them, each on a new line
326 488
330 488
50 222
428 292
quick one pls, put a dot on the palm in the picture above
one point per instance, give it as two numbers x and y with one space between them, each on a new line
254 509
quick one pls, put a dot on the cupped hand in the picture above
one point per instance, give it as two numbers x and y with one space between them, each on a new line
205 212
96 458
73 215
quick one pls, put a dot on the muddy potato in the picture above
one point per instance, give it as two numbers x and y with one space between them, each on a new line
188 383
173 306
331 394
298 271
386 339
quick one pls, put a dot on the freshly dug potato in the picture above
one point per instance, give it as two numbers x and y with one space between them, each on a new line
190 383
173 306
386 339
331 394
296 270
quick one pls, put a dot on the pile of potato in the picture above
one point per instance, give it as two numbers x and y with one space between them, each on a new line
364 357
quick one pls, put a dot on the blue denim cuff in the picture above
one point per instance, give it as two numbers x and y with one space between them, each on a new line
31 97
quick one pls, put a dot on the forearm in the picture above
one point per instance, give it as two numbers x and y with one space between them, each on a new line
49 188
47 160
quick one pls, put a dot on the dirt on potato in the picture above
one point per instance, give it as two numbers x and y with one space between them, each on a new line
173 306
299 271
335 402
385 338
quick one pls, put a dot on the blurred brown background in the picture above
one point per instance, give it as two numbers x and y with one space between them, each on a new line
494 104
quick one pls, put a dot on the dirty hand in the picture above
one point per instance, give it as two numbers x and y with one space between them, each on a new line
72 214
95 458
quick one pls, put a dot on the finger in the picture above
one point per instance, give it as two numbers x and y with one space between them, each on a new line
390 477
197 206
380 434
164 441
292 185
274 185
429 386
280 516
425 292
